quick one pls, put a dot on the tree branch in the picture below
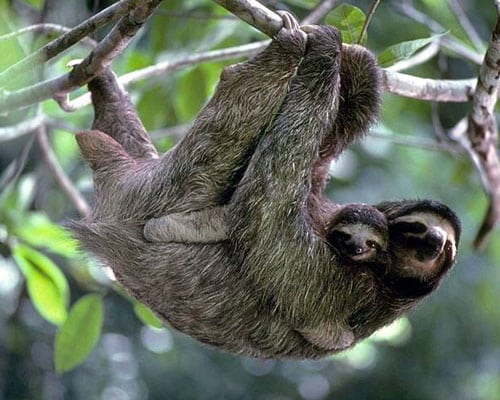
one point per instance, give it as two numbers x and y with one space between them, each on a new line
11 75
482 132
255 14
23 128
448 42
319 12
444 90
110 47
59 175
400 84
47 28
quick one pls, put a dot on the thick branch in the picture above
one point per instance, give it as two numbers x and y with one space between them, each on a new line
445 90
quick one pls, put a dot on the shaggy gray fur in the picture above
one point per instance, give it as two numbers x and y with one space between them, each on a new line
261 147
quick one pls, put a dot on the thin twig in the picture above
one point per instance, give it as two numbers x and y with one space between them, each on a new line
448 42
175 132
193 15
59 175
412 141
23 128
11 75
319 12
464 20
48 29
371 12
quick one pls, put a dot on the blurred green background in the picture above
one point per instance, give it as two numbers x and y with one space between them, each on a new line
449 348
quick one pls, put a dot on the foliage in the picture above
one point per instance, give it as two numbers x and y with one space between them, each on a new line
446 349
79 334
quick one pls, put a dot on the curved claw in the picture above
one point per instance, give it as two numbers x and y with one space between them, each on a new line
289 21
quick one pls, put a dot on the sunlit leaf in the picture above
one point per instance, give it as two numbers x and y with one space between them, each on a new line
146 316
80 333
46 284
38 230
404 50
349 20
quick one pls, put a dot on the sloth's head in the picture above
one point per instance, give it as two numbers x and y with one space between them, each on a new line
358 232
423 242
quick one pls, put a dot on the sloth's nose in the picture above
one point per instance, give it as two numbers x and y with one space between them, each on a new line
433 242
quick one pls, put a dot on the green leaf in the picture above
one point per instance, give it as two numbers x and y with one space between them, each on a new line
47 285
404 50
80 333
146 316
192 86
39 231
349 20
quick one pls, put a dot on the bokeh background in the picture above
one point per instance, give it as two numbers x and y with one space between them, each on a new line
449 348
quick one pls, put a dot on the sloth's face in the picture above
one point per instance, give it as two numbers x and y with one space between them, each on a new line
359 242
358 232
423 243
423 237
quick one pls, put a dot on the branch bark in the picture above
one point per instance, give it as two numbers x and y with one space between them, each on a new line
482 132
255 14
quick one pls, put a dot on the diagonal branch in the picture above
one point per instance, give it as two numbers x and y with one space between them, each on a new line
320 11
12 74
110 47
59 175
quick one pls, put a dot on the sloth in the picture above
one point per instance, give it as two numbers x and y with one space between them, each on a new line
260 148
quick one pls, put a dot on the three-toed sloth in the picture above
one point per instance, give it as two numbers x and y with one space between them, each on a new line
228 237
